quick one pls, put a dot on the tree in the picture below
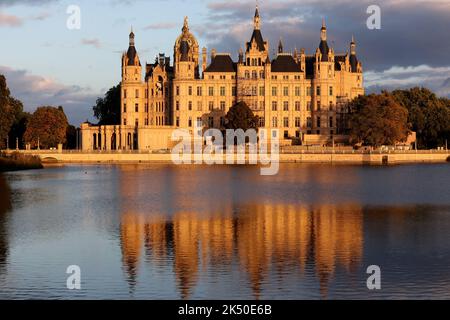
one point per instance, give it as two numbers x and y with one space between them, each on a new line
48 125
377 120
71 135
107 109
429 115
6 111
240 116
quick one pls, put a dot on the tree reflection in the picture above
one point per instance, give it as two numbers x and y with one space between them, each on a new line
5 206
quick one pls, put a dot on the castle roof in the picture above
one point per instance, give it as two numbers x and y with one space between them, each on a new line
285 63
257 36
221 63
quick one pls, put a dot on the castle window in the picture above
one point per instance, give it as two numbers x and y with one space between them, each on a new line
124 107
222 91
222 105
178 90
211 91
297 122
136 107
254 75
274 91
247 74
262 92
308 106
125 93
331 91
124 122
177 121
309 91
285 77
177 105
318 122
190 106
318 91
286 91
262 75
331 106
274 106
199 122
297 105
261 122
190 122
137 122
274 122
331 122
233 91
146 107
199 91
199 106
309 122
286 122
319 106
146 121
190 91
137 93
297 91
210 105
285 106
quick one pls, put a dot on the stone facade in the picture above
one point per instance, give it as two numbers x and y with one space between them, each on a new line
304 96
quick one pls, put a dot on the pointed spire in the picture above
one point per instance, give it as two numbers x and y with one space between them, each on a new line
353 46
323 31
185 24
131 37
280 45
257 19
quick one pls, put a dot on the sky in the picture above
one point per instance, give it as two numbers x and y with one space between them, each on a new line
46 63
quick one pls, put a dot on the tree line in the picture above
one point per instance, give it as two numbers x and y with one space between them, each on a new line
387 118
47 126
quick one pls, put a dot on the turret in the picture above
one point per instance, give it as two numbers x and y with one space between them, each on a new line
280 46
323 47
353 59
257 20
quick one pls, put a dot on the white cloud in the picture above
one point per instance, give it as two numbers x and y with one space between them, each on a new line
35 90
7 20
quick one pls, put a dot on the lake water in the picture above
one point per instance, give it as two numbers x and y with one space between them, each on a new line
225 232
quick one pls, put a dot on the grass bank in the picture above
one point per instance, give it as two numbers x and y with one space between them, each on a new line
17 161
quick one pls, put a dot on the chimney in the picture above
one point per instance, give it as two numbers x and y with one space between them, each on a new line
213 54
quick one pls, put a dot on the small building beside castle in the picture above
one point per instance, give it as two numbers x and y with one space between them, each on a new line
303 96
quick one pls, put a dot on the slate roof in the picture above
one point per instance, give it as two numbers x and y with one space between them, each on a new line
354 63
324 49
257 36
285 63
222 63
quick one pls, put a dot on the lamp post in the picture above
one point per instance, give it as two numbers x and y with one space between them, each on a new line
38 145
17 144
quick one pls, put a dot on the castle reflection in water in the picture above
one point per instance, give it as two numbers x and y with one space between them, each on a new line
263 238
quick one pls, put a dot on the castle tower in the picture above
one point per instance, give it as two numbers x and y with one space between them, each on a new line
132 95
186 54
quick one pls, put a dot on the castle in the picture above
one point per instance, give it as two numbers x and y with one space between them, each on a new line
304 96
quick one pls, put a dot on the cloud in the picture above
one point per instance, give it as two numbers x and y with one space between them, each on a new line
412 33
10 3
92 42
34 91
436 79
41 16
7 20
161 26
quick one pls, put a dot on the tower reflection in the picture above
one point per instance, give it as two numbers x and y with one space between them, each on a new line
5 206
262 240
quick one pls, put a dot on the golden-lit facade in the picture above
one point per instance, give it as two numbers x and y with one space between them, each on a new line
304 96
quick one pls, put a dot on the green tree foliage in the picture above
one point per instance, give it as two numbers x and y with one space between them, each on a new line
377 120
49 126
429 115
6 111
107 109
240 116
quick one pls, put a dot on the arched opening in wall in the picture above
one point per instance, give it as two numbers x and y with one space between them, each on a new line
129 141
94 141
100 141
113 141
135 141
